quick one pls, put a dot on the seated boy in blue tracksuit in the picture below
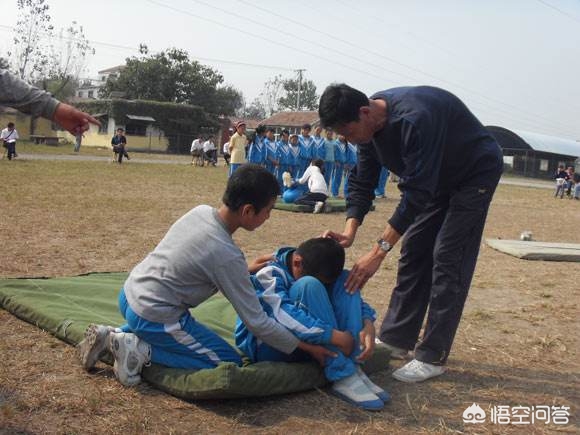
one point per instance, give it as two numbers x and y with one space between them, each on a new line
303 289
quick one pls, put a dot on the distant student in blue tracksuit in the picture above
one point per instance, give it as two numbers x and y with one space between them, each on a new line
350 162
318 148
295 155
286 161
256 150
329 145
270 151
306 146
340 155
303 290
381 185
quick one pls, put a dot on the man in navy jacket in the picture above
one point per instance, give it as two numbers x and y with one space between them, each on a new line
449 166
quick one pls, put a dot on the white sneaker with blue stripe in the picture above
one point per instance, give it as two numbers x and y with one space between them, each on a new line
131 354
378 391
354 391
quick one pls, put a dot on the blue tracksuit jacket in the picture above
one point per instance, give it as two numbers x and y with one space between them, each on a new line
272 284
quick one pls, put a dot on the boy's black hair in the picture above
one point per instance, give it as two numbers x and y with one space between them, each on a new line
250 184
270 129
10 125
340 104
285 131
260 129
322 258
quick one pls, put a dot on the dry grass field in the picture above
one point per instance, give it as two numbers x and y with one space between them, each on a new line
517 343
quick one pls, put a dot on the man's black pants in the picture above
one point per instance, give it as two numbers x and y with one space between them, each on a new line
438 257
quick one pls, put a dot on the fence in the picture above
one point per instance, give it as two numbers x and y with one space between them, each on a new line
529 163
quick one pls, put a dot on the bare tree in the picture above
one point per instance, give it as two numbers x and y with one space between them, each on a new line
271 94
69 52
29 54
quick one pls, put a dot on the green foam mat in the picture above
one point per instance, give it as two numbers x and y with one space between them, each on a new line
333 205
65 306
546 251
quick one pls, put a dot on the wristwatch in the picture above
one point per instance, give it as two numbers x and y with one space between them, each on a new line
384 245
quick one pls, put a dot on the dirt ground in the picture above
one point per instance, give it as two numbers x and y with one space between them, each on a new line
517 343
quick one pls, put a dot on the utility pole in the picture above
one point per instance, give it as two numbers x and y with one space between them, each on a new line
299 71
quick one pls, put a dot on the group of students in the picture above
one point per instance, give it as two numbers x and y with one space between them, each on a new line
203 152
566 180
292 305
321 162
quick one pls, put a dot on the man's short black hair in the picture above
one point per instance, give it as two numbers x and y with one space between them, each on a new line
270 129
250 184
260 129
322 258
10 125
340 104
285 131
306 126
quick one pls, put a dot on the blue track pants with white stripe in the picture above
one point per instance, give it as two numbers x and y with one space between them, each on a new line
338 308
183 344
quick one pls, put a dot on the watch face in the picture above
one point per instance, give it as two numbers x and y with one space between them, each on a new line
384 245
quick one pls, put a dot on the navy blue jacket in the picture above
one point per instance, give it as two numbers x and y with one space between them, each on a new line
433 143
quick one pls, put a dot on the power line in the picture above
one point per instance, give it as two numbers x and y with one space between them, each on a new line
530 115
572 17
136 49
534 116
278 43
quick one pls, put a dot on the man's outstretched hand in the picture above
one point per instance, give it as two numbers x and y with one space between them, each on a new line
73 120
345 240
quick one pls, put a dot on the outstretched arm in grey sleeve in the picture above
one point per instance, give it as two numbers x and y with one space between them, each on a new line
18 94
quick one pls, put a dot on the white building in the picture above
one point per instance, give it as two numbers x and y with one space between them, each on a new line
89 88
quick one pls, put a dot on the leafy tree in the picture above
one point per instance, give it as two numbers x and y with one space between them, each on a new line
172 77
228 99
308 97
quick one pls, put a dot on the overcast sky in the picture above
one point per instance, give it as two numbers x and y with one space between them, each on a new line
515 63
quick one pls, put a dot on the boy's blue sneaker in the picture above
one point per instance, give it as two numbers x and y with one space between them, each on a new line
354 391
378 391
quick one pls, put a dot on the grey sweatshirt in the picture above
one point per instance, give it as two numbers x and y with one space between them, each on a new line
20 95
196 258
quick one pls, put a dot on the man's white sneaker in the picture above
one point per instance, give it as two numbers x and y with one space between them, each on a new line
396 352
378 391
354 391
131 354
94 345
417 371
318 207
